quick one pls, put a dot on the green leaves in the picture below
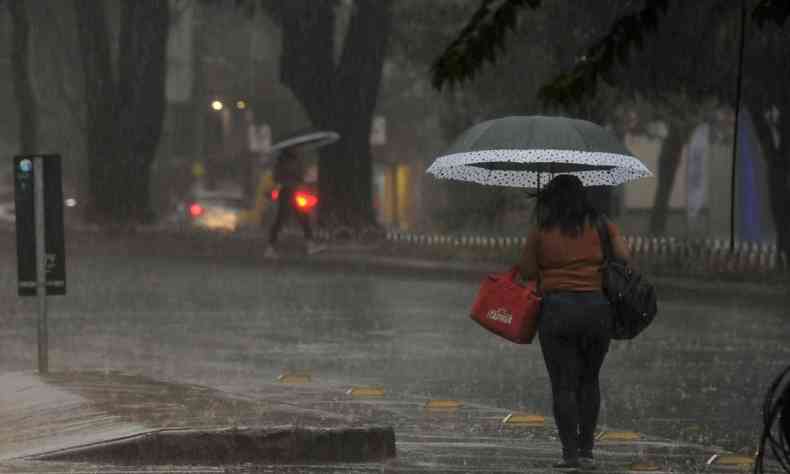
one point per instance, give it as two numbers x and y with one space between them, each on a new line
598 60
776 11
481 40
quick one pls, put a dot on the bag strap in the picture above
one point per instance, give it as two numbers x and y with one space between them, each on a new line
539 285
606 241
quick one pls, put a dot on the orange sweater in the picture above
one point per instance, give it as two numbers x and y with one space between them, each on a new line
567 263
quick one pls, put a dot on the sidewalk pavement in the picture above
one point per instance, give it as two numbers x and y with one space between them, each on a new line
111 419
115 422
472 263
183 428
384 253
391 255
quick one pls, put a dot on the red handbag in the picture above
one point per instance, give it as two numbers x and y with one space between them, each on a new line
507 308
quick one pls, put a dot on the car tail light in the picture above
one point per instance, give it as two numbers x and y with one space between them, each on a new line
196 210
305 201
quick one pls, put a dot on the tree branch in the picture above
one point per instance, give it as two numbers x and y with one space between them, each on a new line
479 41
307 59
141 83
626 33
771 10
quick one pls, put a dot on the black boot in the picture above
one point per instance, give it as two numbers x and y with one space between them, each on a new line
567 465
587 462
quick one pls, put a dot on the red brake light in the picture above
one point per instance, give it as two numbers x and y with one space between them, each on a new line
195 210
305 201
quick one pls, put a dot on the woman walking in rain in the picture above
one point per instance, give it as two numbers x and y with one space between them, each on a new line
564 252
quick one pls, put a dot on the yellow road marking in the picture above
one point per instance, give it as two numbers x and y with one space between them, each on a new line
644 466
295 378
619 436
734 460
522 419
366 392
443 404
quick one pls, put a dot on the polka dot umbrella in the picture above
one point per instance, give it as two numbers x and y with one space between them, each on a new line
527 151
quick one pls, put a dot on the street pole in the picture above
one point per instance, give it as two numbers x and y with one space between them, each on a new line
41 264
739 87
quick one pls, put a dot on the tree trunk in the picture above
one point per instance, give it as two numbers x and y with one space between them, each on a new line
141 96
340 98
307 63
124 117
23 90
779 188
668 161
100 92
349 201
777 157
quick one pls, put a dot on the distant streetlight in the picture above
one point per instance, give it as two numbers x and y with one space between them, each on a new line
216 105
241 105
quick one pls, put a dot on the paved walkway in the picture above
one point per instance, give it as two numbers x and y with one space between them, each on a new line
62 412
66 411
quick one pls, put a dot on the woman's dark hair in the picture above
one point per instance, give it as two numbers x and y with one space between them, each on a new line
563 204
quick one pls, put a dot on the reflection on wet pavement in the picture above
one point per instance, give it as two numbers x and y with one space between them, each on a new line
698 374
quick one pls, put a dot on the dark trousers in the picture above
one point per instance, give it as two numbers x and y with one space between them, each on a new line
574 332
286 207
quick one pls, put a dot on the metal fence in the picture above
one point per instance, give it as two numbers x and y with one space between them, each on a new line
665 255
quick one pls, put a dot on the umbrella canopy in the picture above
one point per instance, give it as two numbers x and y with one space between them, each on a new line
306 139
525 151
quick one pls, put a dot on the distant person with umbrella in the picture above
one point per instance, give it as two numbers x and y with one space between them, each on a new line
289 170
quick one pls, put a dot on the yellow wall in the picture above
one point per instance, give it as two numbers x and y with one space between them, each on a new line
386 197
395 188
403 196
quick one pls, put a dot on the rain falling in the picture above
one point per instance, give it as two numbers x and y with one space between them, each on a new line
472 236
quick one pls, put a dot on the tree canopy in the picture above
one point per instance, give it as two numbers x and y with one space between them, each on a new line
482 41
671 52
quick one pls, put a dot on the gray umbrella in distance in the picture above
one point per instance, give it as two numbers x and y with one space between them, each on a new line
306 140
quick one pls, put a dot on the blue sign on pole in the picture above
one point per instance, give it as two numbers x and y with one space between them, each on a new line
24 194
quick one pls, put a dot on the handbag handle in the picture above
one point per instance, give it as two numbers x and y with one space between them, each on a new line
606 241
513 273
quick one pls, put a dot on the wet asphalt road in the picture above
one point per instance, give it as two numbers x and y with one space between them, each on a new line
234 323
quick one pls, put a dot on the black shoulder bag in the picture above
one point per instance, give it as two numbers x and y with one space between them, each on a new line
633 298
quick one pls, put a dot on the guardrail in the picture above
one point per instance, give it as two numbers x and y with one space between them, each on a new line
657 254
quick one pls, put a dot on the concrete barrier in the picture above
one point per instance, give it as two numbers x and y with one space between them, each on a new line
238 446
124 419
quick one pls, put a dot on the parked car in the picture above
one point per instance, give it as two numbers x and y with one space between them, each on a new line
226 209
220 209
